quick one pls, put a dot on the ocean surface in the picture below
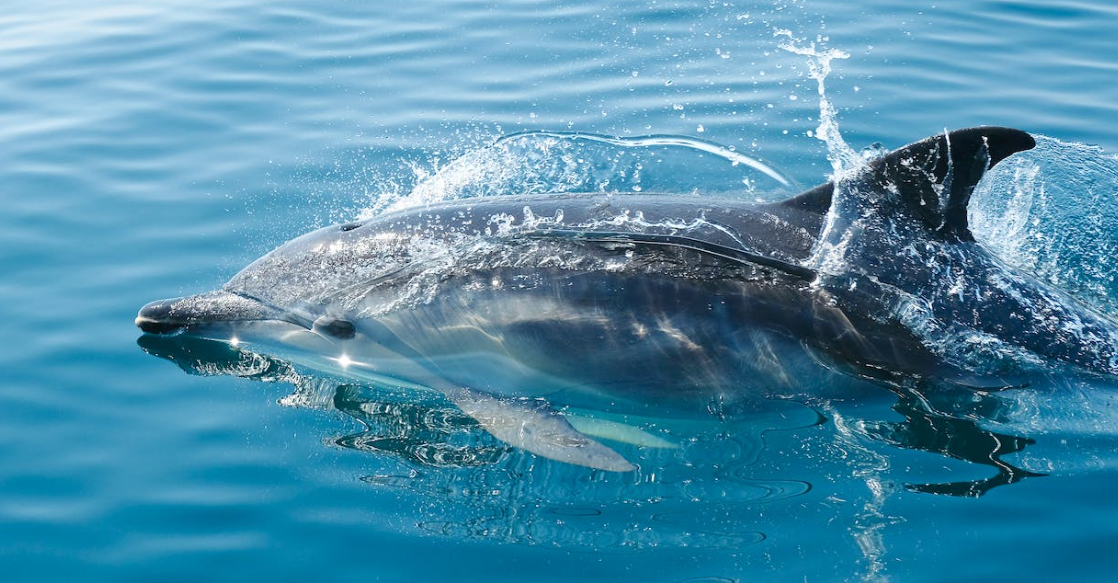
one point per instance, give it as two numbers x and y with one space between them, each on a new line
152 149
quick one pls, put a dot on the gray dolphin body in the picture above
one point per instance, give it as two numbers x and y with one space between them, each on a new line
517 307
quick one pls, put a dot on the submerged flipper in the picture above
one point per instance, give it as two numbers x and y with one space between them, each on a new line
933 177
534 426
531 425
595 426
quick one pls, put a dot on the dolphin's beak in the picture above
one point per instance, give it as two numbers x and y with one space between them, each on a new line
168 316
157 317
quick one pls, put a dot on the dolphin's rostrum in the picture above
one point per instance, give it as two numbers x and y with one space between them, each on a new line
518 307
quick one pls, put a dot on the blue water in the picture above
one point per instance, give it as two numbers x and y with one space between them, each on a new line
151 149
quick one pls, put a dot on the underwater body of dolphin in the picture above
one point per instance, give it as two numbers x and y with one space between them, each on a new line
518 307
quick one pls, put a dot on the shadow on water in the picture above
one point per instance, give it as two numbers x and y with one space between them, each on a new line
933 423
703 492
420 435
724 484
428 437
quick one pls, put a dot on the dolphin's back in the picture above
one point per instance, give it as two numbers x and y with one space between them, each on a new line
481 281
342 265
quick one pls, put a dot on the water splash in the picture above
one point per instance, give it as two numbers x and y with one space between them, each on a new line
555 162
843 158
1053 212
841 224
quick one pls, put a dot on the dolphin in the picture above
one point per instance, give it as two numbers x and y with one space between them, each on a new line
522 310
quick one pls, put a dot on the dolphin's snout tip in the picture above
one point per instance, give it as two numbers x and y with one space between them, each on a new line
155 327
155 317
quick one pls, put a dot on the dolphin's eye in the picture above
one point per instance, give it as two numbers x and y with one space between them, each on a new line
341 329
349 227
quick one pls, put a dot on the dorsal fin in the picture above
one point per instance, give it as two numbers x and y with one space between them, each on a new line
935 176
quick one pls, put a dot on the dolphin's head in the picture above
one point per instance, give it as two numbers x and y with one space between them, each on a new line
246 323
293 285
